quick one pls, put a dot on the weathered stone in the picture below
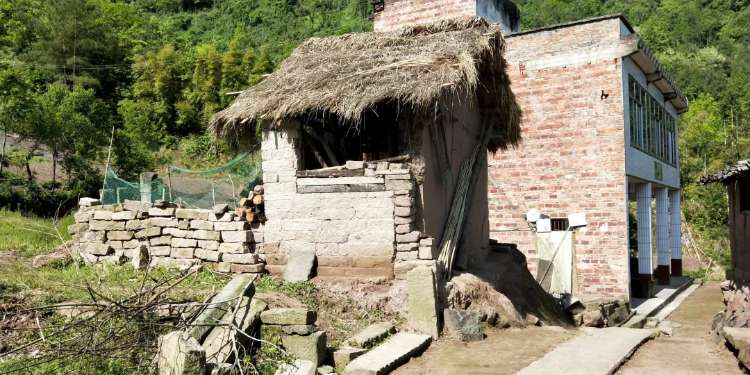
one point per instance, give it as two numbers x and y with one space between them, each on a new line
117 258
162 222
463 325
288 316
134 225
403 211
343 356
422 306
424 252
180 264
184 242
247 258
409 237
387 356
231 226
311 347
247 268
94 248
299 265
206 235
398 220
218 341
192 214
411 246
182 252
223 267
106 225
102 215
175 232
219 209
428 241
123 215
148 232
393 184
299 329
240 285
83 216
325 370
297 367
93 236
237 236
136 206
156 211
119 235
115 244
403 201
183 224
403 228
88 202
140 258
371 335
201 224
159 251
180 354
208 245
211 256
132 244
407 255
78 228
236 247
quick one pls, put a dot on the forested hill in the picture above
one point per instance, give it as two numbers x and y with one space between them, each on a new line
155 70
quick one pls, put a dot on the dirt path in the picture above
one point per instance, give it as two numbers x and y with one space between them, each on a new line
690 350
502 352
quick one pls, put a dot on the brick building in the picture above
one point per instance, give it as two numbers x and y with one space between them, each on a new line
599 131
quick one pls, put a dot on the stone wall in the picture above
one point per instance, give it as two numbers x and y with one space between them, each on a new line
359 222
568 81
171 235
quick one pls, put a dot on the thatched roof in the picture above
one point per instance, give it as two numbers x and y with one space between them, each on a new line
739 169
350 74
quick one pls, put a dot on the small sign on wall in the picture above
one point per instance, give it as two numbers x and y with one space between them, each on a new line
658 171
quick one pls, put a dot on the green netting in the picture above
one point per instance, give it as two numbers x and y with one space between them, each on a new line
198 189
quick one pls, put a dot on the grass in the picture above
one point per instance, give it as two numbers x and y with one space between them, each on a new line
30 235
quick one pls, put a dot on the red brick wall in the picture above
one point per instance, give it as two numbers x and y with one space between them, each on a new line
572 156
400 13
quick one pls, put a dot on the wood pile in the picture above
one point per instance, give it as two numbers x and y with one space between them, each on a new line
252 207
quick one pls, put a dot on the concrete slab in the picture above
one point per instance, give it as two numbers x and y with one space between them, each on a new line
676 302
387 356
595 351
664 294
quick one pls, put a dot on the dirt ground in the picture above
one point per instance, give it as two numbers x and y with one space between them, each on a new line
690 350
502 352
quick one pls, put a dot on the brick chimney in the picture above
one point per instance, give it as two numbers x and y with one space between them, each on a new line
394 14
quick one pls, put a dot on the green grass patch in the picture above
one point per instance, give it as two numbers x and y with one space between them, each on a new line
304 291
30 235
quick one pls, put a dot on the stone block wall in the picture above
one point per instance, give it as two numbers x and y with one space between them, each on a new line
359 225
171 235
568 82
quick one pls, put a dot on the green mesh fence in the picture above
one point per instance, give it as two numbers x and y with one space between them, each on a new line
197 189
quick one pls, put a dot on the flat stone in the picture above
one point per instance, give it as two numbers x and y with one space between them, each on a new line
387 356
422 303
325 370
311 347
88 202
156 211
409 237
102 215
247 268
239 286
131 205
299 265
180 264
218 342
371 335
78 228
180 354
463 325
176 232
298 367
83 216
162 222
234 247
184 242
612 347
201 224
739 339
98 249
231 226
211 256
206 235
135 224
192 214
248 258
123 215
159 251
208 245
343 356
299 329
182 252
237 236
106 225
288 316
219 209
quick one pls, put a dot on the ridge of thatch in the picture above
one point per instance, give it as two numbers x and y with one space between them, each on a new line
741 168
349 74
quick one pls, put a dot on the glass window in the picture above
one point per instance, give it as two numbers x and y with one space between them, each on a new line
652 128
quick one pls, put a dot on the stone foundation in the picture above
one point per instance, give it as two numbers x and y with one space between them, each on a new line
172 235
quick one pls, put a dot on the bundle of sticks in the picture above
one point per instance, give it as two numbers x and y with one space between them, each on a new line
251 208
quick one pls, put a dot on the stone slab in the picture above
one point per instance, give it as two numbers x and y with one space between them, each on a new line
299 265
310 347
371 335
298 367
343 356
422 301
240 285
180 354
288 316
389 355
594 351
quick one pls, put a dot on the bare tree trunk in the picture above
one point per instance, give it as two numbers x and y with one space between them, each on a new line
28 167
54 166
2 156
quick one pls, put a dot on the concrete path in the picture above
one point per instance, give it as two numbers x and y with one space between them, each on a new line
594 352
690 350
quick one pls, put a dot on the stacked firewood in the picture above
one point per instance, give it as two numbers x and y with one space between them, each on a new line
251 208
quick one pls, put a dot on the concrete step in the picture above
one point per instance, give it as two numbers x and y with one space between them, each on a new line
371 335
385 357
593 352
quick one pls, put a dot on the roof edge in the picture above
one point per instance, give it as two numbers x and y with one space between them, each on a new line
575 23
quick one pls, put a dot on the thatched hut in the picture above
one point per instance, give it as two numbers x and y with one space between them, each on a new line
363 140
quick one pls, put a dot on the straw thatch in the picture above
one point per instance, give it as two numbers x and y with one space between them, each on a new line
350 74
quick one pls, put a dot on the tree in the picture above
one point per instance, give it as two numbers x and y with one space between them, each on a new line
16 108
